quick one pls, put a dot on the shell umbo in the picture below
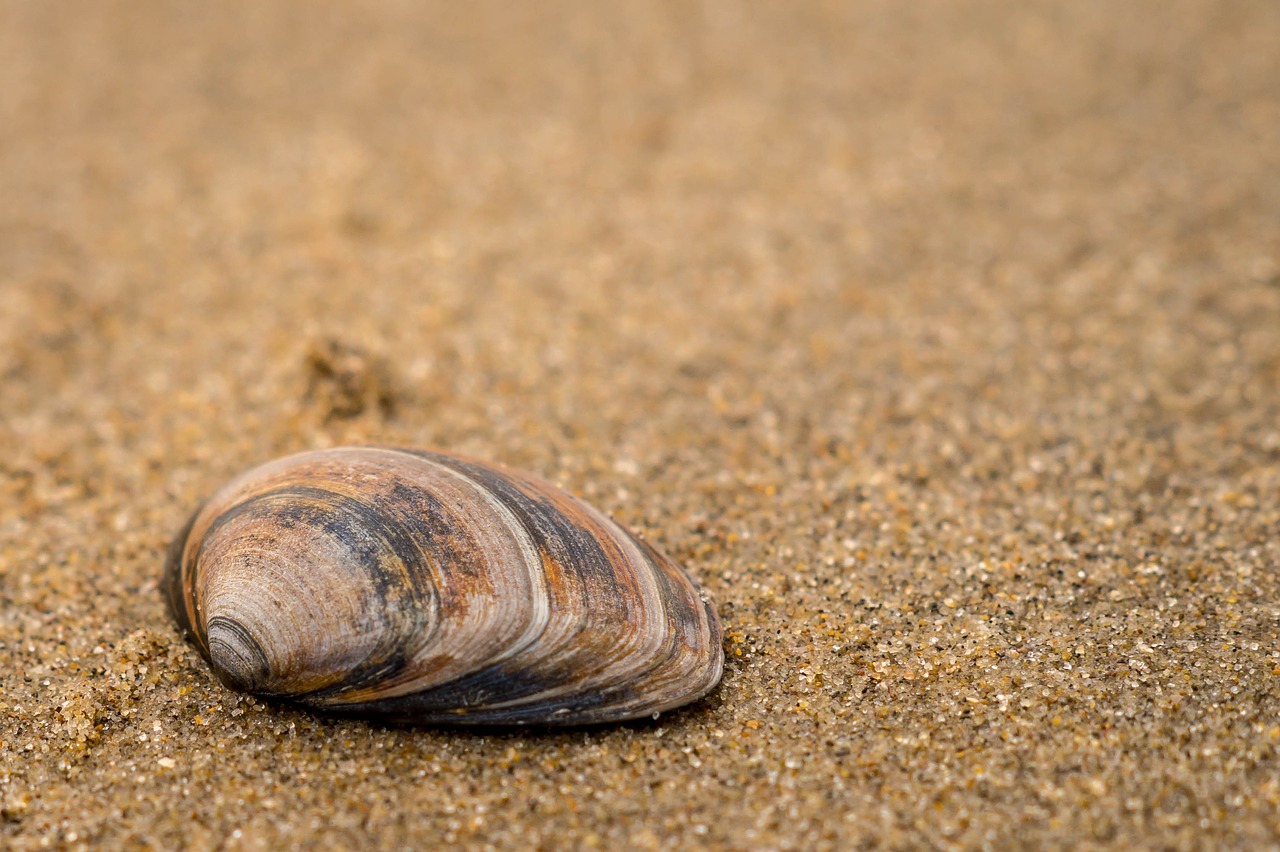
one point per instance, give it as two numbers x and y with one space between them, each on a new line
422 587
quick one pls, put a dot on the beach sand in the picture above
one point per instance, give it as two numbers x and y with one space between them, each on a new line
939 340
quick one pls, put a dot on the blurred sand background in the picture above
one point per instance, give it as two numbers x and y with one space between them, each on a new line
940 340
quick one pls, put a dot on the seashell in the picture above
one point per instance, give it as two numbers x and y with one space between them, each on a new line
422 587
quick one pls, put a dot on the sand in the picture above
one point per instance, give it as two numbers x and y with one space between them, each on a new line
940 340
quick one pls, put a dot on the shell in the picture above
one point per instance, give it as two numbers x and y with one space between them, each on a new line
421 587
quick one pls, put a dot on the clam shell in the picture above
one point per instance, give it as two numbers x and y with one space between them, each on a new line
422 587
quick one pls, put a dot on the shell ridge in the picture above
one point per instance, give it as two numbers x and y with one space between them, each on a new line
510 680
534 611
679 660
676 660
336 513
573 691
607 686
473 688
332 511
